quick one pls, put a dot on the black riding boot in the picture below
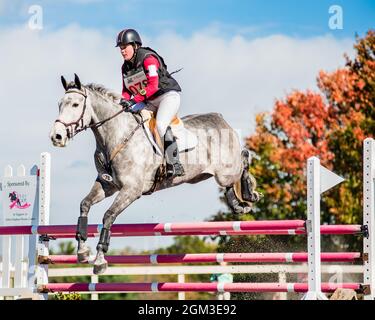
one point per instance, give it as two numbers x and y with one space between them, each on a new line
174 166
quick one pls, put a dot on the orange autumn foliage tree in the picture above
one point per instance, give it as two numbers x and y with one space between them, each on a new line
282 142
331 125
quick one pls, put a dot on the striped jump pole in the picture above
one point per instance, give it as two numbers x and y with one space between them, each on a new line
287 227
162 228
191 287
291 257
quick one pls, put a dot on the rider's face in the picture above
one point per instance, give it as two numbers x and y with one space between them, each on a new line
127 52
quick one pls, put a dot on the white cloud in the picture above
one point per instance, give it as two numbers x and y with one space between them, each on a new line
237 77
242 77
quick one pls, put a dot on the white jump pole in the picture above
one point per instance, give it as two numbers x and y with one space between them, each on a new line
313 230
7 246
369 217
44 210
319 180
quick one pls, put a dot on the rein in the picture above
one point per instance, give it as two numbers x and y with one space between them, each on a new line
73 131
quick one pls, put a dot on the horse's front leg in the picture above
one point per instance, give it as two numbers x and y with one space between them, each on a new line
98 192
124 198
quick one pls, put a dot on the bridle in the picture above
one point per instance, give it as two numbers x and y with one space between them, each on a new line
75 127
72 128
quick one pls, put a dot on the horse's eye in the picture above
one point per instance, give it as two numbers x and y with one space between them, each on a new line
75 105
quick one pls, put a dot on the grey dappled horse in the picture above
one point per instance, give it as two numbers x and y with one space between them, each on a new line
127 162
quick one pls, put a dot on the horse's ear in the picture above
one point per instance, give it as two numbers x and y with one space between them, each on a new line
63 81
77 82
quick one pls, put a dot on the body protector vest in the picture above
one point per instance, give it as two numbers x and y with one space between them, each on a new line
135 79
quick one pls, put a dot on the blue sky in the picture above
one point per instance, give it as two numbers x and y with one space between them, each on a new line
251 18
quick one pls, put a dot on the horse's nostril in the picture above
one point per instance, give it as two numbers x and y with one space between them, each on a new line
58 137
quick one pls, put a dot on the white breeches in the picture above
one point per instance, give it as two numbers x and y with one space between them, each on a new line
167 106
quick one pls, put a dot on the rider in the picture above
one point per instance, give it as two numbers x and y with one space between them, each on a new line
145 79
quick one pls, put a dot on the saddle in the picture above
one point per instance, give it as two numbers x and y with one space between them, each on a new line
186 140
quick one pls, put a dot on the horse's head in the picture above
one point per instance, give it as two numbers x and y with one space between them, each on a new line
74 113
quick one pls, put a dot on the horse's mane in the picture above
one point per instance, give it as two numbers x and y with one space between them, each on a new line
103 91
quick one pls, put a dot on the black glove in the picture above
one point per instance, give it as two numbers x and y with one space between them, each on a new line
127 104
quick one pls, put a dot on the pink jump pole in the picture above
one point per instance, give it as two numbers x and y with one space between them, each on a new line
190 287
211 258
122 230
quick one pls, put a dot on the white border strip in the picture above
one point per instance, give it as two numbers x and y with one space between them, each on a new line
220 287
289 257
168 227
237 226
220 257
290 287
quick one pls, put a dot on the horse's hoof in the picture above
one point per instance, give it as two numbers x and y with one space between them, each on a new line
257 196
83 256
238 210
242 208
100 268
246 209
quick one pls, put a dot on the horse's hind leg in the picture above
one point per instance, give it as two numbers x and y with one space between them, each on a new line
235 203
98 192
240 190
248 182
229 182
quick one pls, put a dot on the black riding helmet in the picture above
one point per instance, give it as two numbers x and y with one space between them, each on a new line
127 36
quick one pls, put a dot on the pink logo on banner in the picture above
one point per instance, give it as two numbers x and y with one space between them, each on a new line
15 202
